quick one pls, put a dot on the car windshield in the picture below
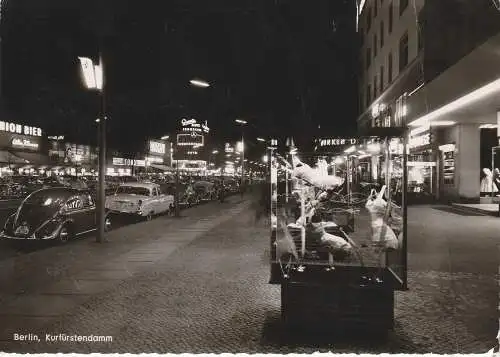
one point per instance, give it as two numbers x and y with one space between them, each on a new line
132 190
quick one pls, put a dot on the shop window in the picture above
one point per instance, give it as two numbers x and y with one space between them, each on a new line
375 45
387 121
391 17
403 52
389 69
382 35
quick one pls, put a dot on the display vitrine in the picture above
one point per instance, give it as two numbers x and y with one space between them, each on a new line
338 223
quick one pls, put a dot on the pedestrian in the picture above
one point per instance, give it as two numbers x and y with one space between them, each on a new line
221 192
263 204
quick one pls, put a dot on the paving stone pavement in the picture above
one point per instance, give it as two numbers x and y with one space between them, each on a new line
212 296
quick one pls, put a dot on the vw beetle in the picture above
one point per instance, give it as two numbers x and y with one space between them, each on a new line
53 213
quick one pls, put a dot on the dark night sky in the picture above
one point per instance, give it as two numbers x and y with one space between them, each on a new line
285 66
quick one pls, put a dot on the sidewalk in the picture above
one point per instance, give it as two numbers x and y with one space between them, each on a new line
39 287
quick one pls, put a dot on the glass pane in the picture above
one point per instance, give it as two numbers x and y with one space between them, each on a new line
340 207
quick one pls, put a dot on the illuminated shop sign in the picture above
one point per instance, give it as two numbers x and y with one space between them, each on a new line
193 124
420 137
192 164
60 137
20 129
228 148
157 147
190 140
120 161
24 144
338 141
154 160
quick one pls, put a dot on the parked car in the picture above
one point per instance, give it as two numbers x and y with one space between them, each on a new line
140 200
205 190
53 213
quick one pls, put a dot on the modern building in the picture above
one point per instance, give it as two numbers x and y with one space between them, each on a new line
432 66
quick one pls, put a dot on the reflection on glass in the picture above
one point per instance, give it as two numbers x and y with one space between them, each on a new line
344 207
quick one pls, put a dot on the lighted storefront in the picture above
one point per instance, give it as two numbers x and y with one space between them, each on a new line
21 150
71 159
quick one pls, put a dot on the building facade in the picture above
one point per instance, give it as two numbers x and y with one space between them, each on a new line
430 71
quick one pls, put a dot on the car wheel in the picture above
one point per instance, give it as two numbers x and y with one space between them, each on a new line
64 234
108 223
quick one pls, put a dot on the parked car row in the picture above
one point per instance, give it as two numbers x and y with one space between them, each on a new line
57 211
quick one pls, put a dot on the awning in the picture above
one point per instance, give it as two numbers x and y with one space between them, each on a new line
8 158
161 167
32 158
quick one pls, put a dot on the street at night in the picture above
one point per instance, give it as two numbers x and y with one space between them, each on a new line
200 284
249 176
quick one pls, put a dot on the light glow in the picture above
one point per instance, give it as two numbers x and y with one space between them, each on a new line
265 159
488 126
374 148
260 139
199 83
350 150
239 146
339 160
459 103
443 123
241 121
447 147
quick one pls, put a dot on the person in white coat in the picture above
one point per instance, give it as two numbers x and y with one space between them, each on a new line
487 185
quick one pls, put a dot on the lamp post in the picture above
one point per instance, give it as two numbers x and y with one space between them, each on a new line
242 123
93 76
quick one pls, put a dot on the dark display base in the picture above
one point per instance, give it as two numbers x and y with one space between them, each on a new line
338 306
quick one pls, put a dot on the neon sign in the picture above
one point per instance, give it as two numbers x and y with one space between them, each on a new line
156 147
20 129
338 142
193 124
24 143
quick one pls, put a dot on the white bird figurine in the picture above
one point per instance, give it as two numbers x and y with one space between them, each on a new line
313 177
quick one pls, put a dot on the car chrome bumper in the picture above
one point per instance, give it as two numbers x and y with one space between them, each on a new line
31 237
126 213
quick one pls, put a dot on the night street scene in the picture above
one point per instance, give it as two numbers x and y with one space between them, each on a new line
249 176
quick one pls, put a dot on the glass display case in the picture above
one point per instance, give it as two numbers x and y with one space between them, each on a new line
339 222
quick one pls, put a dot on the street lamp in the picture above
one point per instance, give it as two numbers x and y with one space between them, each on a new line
199 83
242 123
165 137
261 139
93 76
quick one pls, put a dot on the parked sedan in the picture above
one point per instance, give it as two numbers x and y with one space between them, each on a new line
53 213
140 200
